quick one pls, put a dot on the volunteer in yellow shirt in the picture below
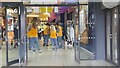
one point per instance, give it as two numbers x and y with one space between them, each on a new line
29 37
46 35
53 37
33 34
59 35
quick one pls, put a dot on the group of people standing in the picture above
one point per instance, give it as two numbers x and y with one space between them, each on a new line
52 32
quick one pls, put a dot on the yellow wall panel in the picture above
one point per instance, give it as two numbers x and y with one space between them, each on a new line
42 9
50 9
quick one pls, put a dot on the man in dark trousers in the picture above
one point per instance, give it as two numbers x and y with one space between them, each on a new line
16 34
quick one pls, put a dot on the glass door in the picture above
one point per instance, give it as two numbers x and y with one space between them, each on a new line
87 31
108 35
76 34
12 34
16 49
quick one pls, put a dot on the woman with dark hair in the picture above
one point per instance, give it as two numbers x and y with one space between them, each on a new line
34 37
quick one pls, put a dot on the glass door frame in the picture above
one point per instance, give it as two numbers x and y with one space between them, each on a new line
8 5
118 32
114 57
6 31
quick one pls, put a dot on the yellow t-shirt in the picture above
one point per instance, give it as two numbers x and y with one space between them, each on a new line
28 34
60 31
53 34
46 30
33 32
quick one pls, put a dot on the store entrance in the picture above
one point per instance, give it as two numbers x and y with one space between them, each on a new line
78 34
48 15
11 39
78 28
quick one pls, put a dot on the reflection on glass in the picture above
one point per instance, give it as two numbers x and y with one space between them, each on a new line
86 34
12 33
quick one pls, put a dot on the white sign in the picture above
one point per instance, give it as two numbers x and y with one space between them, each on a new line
56 9
36 9
29 9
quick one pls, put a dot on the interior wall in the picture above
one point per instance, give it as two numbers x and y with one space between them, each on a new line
100 31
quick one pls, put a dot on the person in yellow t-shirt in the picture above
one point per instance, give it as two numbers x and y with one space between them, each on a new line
34 37
53 37
29 37
46 35
59 35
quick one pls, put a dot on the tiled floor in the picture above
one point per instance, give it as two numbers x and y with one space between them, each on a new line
62 57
